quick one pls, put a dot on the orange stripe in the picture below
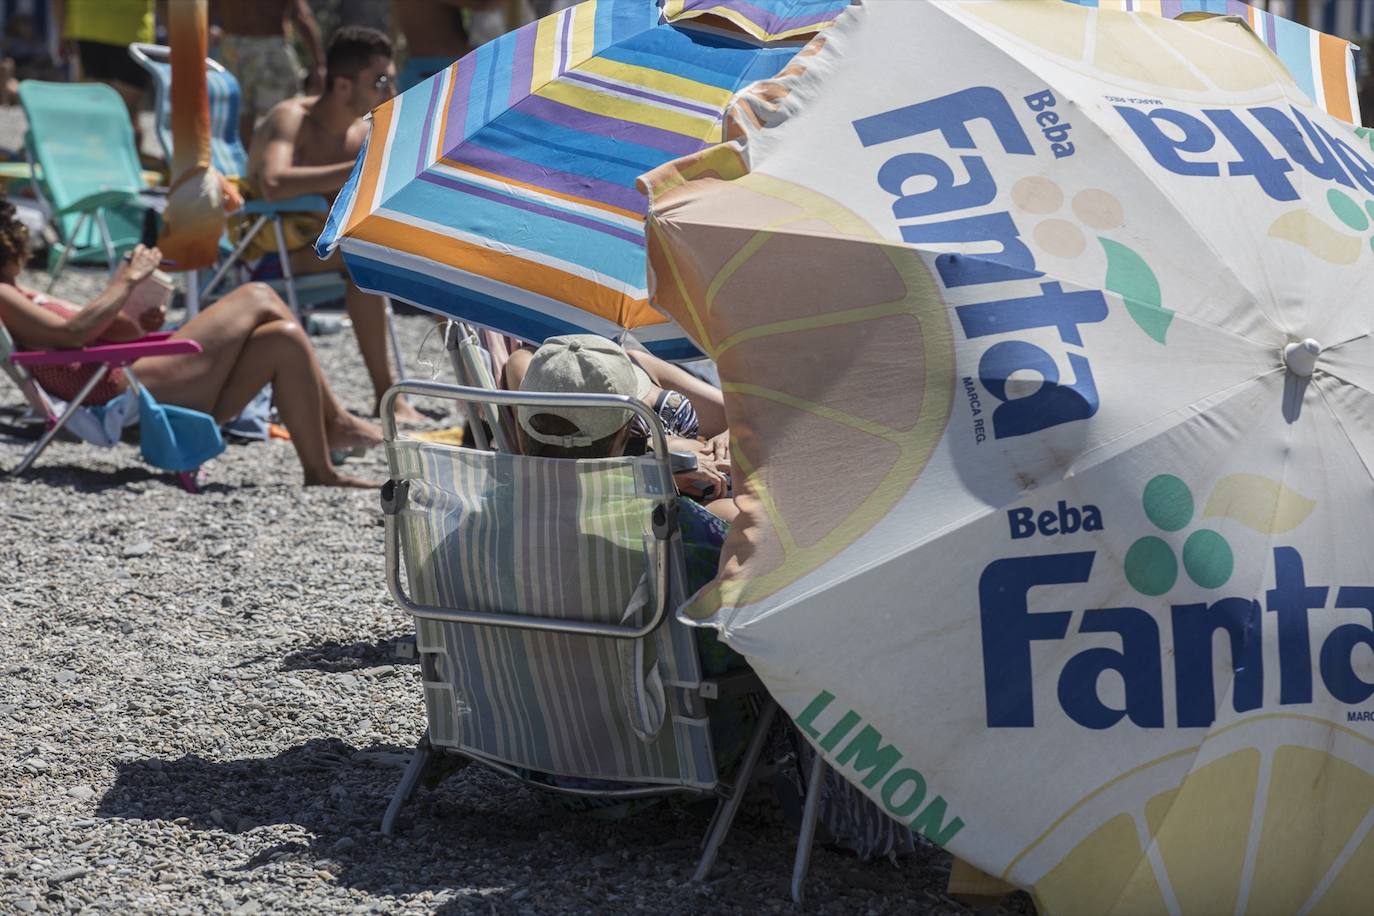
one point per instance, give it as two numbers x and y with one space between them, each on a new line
1335 77
510 269
372 167
506 179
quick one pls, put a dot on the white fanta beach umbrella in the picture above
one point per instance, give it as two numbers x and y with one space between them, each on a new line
1045 338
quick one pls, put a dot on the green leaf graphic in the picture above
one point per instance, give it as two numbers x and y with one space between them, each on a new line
1131 278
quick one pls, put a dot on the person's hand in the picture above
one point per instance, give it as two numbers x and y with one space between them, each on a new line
314 81
152 319
718 448
140 265
703 483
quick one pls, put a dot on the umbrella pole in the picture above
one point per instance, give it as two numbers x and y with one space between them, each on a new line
807 834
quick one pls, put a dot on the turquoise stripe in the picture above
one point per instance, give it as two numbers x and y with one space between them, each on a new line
408 127
1295 50
504 225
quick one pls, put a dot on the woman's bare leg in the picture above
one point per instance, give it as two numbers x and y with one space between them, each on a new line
252 340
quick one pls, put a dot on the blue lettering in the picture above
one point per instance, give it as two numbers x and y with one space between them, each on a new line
1138 663
1255 160
1338 672
1013 262
946 195
1194 626
1009 628
1291 598
1053 308
1197 138
1311 153
949 114
1051 404
1021 524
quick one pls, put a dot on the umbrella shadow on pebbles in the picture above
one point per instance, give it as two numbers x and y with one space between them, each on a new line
480 837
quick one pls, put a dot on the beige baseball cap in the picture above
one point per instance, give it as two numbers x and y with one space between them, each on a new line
583 364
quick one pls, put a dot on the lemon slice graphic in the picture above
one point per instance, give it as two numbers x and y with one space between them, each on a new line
835 350
1276 821
1213 56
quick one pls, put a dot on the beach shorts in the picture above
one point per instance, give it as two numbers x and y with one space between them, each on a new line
110 63
267 69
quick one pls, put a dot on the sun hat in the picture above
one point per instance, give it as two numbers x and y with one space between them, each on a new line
583 364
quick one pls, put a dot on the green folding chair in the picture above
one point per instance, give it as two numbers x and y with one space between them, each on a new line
81 147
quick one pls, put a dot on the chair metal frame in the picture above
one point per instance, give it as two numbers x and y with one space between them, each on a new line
17 363
664 526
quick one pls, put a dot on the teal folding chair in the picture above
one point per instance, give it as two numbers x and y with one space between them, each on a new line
80 147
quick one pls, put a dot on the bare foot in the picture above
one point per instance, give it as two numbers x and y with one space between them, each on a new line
333 478
406 415
350 432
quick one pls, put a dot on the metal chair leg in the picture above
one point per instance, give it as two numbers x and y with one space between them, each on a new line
416 768
805 837
67 247
720 825
289 280
37 448
192 294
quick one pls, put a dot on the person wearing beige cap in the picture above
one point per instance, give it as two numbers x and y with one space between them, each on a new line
589 364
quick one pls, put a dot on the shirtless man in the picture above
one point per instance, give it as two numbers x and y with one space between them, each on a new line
256 50
434 33
307 145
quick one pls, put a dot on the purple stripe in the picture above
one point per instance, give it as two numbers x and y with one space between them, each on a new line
458 112
564 39
767 19
580 187
1271 37
510 200
420 163
523 71
1170 9
587 122
644 94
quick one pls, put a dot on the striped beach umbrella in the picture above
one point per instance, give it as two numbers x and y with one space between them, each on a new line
502 190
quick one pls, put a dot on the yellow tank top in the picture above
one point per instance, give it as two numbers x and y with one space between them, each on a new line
111 22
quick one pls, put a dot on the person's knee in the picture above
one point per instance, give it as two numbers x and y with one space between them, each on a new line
266 301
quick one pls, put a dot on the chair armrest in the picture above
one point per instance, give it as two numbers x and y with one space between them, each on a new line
306 203
111 197
118 354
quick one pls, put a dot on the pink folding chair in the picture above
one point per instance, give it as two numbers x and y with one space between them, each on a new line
17 365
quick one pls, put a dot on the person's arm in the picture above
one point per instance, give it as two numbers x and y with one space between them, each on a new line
706 399
280 178
36 327
299 12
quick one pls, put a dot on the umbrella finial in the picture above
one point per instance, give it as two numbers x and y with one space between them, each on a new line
1301 356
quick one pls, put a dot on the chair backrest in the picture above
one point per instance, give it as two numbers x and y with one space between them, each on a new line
227 154
80 135
547 538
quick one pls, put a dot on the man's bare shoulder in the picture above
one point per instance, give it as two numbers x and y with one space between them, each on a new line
284 119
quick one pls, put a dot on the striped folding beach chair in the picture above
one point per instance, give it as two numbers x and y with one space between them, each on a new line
544 591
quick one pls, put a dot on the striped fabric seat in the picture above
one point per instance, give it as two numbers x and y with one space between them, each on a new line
483 531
